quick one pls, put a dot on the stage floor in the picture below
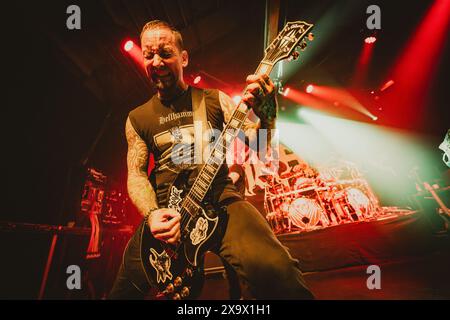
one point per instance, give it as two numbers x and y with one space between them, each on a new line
421 278
413 259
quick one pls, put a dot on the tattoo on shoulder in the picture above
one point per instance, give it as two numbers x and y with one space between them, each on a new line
139 188
137 157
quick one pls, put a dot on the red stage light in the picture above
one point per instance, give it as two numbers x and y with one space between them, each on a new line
286 91
362 65
134 52
128 46
416 68
370 40
387 85
197 79
309 88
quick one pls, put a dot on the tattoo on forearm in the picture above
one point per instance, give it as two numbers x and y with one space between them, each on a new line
139 188
260 143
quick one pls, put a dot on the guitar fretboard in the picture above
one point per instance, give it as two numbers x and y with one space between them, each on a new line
218 154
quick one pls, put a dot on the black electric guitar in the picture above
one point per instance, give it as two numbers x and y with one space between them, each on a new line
176 271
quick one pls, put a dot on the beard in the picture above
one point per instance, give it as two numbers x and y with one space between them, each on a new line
166 83
167 86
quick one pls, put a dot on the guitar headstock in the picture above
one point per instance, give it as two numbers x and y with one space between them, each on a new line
282 47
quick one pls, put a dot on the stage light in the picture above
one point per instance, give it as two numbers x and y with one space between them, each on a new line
309 88
197 79
367 145
387 85
416 67
134 52
286 91
128 46
362 65
237 99
370 40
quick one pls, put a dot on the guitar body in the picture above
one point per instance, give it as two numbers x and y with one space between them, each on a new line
177 271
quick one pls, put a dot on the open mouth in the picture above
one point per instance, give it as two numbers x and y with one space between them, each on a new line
162 77
162 74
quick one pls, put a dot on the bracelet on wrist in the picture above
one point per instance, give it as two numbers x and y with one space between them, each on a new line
149 213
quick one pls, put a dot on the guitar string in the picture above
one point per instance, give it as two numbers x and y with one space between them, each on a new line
202 191
216 166
186 215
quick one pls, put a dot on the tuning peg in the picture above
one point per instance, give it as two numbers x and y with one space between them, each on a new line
303 45
294 56
169 289
185 292
178 281
176 296
310 36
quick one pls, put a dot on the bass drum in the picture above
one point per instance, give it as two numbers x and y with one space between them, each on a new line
305 213
353 203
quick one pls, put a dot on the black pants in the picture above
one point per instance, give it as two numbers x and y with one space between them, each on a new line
234 287
248 245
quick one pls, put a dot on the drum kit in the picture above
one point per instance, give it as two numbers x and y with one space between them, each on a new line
306 200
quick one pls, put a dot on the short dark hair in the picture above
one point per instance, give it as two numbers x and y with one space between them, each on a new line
155 24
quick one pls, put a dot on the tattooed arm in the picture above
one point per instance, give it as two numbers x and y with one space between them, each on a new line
139 188
164 223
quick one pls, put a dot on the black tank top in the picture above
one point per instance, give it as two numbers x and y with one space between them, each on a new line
167 125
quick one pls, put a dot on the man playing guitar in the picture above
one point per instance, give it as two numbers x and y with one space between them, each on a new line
248 244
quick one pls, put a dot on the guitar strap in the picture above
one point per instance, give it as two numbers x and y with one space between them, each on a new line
200 123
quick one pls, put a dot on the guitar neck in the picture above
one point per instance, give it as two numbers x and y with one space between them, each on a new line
218 154
282 47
